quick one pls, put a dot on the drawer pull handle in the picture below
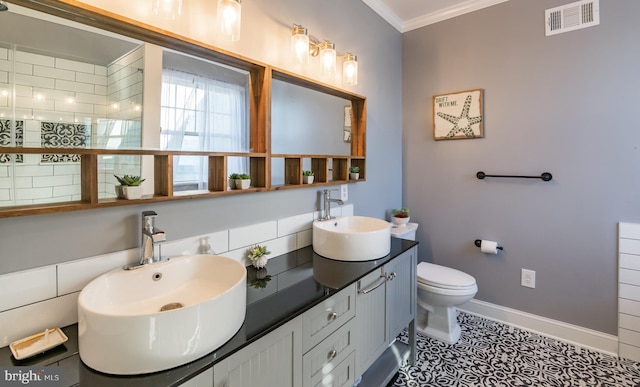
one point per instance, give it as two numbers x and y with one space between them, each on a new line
381 281
333 316
391 276
332 354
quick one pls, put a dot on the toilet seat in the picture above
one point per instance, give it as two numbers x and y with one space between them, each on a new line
444 277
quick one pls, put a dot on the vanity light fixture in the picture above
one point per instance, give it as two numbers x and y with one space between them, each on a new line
328 58
350 70
229 18
168 9
300 45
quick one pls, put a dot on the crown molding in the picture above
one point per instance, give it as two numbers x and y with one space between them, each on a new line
446 13
379 7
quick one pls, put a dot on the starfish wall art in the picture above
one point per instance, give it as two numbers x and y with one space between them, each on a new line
458 115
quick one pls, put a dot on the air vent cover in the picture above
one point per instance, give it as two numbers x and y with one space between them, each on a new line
570 17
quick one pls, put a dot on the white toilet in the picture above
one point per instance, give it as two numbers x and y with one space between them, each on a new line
440 290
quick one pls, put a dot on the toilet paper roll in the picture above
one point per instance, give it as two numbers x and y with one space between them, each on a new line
489 247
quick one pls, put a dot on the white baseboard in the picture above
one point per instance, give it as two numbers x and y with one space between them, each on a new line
573 334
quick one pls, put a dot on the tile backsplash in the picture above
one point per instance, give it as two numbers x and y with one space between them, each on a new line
46 297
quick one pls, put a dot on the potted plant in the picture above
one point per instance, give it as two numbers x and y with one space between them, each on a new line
232 180
401 216
243 181
354 173
257 256
129 187
307 177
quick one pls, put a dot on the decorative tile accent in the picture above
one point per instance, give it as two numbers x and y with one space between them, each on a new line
5 139
490 353
62 135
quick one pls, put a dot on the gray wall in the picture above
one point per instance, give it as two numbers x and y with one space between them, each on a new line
564 104
32 241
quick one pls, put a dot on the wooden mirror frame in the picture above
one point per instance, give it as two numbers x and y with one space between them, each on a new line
328 169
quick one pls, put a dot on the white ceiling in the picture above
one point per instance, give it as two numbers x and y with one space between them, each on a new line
407 15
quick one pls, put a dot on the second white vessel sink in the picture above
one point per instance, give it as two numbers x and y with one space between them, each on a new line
162 315
352 238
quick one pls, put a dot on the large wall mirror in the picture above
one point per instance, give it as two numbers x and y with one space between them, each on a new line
179 113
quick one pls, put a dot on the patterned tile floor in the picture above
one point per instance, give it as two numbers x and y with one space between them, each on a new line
494 354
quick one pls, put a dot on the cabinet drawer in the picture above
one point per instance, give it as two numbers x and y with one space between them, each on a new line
341 376
326 317
324 357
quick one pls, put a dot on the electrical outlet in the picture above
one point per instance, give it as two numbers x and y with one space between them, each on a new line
528 278
344 192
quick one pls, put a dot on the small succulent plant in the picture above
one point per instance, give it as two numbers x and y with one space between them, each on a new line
129 180
307 173
354 169
401 213
257 256
243 176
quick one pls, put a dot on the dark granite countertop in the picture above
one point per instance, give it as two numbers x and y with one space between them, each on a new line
292 284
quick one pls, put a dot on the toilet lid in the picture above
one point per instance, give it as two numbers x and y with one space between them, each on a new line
443 277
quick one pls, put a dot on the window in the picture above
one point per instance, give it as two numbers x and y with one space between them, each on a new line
202 114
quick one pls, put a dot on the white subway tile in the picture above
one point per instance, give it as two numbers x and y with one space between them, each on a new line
629 246
629 307
26 287
250 235
73 65
304 238
46 181
73 86
40 170
24 182
629 352
33 193
30 80
66 190
31 319
6 182
94 99
629 337
629 292
23 68
631 277
75 275
76 107
100 70
217 243
628 261
629 322
49 72
37 59
92 79
66 169
294 224
629 230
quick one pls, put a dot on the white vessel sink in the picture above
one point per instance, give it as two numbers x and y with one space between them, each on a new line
352 238
162 315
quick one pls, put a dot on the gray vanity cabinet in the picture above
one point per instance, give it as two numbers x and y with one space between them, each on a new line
401 292
385 305
273 361
371 329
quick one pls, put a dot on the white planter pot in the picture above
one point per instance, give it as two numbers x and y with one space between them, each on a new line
354 176
243 183
119 191
401 221
132 193
307 179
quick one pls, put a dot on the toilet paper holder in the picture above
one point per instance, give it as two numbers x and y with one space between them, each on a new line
478 242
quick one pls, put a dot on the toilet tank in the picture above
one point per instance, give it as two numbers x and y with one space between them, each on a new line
407 231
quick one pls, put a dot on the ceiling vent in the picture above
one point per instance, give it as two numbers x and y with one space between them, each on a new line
570 17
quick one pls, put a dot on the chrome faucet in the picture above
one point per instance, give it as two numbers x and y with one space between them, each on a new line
327 204
150 235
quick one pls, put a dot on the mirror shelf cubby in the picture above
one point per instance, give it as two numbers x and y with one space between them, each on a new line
329 168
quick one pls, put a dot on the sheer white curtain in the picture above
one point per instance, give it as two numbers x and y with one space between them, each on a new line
202 114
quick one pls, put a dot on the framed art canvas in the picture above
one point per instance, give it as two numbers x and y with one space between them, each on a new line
458 115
